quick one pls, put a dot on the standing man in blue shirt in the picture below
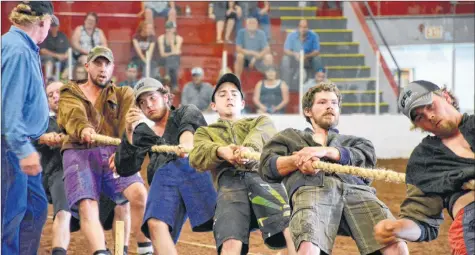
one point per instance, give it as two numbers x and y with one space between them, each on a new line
24 117
296 41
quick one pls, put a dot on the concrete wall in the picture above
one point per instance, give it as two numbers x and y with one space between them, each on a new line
390 134
406 31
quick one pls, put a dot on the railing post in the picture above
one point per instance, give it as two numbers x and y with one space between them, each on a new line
301 77
376 101
70 64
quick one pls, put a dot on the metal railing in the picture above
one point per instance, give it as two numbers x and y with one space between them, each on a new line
383 39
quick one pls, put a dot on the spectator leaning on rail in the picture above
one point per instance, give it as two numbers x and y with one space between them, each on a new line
54 49
305 40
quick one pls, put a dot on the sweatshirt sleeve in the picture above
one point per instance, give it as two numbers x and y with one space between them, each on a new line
15 88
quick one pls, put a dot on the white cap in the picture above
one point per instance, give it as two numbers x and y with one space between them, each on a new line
197 71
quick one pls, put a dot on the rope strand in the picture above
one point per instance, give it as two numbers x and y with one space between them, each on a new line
376 174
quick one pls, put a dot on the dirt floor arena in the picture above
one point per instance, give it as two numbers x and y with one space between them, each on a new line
203 243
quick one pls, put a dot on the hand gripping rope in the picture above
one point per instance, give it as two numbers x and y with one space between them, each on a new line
375 174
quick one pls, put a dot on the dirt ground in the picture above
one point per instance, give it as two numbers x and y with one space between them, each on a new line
203 243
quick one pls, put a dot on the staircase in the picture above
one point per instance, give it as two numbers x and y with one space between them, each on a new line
340 55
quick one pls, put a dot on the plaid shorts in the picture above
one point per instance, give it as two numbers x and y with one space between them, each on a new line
320 213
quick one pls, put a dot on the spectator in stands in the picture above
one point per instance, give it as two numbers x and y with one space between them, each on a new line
87 36
251 9
252 48
166 83
197 92
320 76
153 9
271 95
305 40
131 75
54 49
80 74
222 12
169 45
143 42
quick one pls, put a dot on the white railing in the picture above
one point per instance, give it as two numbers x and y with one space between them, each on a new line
224 62
148 59
301 79
377 88
70 64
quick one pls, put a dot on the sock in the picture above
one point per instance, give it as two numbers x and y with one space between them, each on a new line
145 248
58 251
102 252
126 249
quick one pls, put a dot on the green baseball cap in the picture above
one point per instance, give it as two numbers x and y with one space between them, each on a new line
100 51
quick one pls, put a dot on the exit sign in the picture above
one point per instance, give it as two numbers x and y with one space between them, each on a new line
434 32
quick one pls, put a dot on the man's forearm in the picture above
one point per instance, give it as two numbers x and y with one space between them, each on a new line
333 154
312 54
286 165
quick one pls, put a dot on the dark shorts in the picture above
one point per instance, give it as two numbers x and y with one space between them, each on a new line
247 203
320 213
163 13
178 191
462 231
57 193
87 174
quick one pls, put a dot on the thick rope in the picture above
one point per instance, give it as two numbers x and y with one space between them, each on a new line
375 174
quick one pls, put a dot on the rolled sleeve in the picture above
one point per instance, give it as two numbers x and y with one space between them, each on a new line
191 119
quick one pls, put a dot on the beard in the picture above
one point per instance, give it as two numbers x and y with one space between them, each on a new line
158 116
326 123
101 85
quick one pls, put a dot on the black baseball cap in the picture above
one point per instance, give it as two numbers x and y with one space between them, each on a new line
228 77
40 8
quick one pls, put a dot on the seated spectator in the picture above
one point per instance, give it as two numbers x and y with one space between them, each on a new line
169 45
197 92
143 42
296 41
252 48
131 75
271 95
251 9
153 9
320 76
87 36
54 49
80 74
222 12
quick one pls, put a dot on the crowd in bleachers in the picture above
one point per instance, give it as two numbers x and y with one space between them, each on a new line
243 24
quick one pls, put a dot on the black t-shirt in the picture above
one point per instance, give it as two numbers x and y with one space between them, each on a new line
129 157
58 44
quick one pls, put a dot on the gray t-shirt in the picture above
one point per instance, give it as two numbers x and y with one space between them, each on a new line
256 42
200 96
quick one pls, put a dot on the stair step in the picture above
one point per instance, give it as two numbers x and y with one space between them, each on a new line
368 108
279 11
348 71
355 83
342 59
360 96
326 22
339 47
331 35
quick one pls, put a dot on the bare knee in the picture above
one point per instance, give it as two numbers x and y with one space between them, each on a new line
240 58
122 211
399 248
88 210
231 246
63 217
137 195
268 59
308 248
